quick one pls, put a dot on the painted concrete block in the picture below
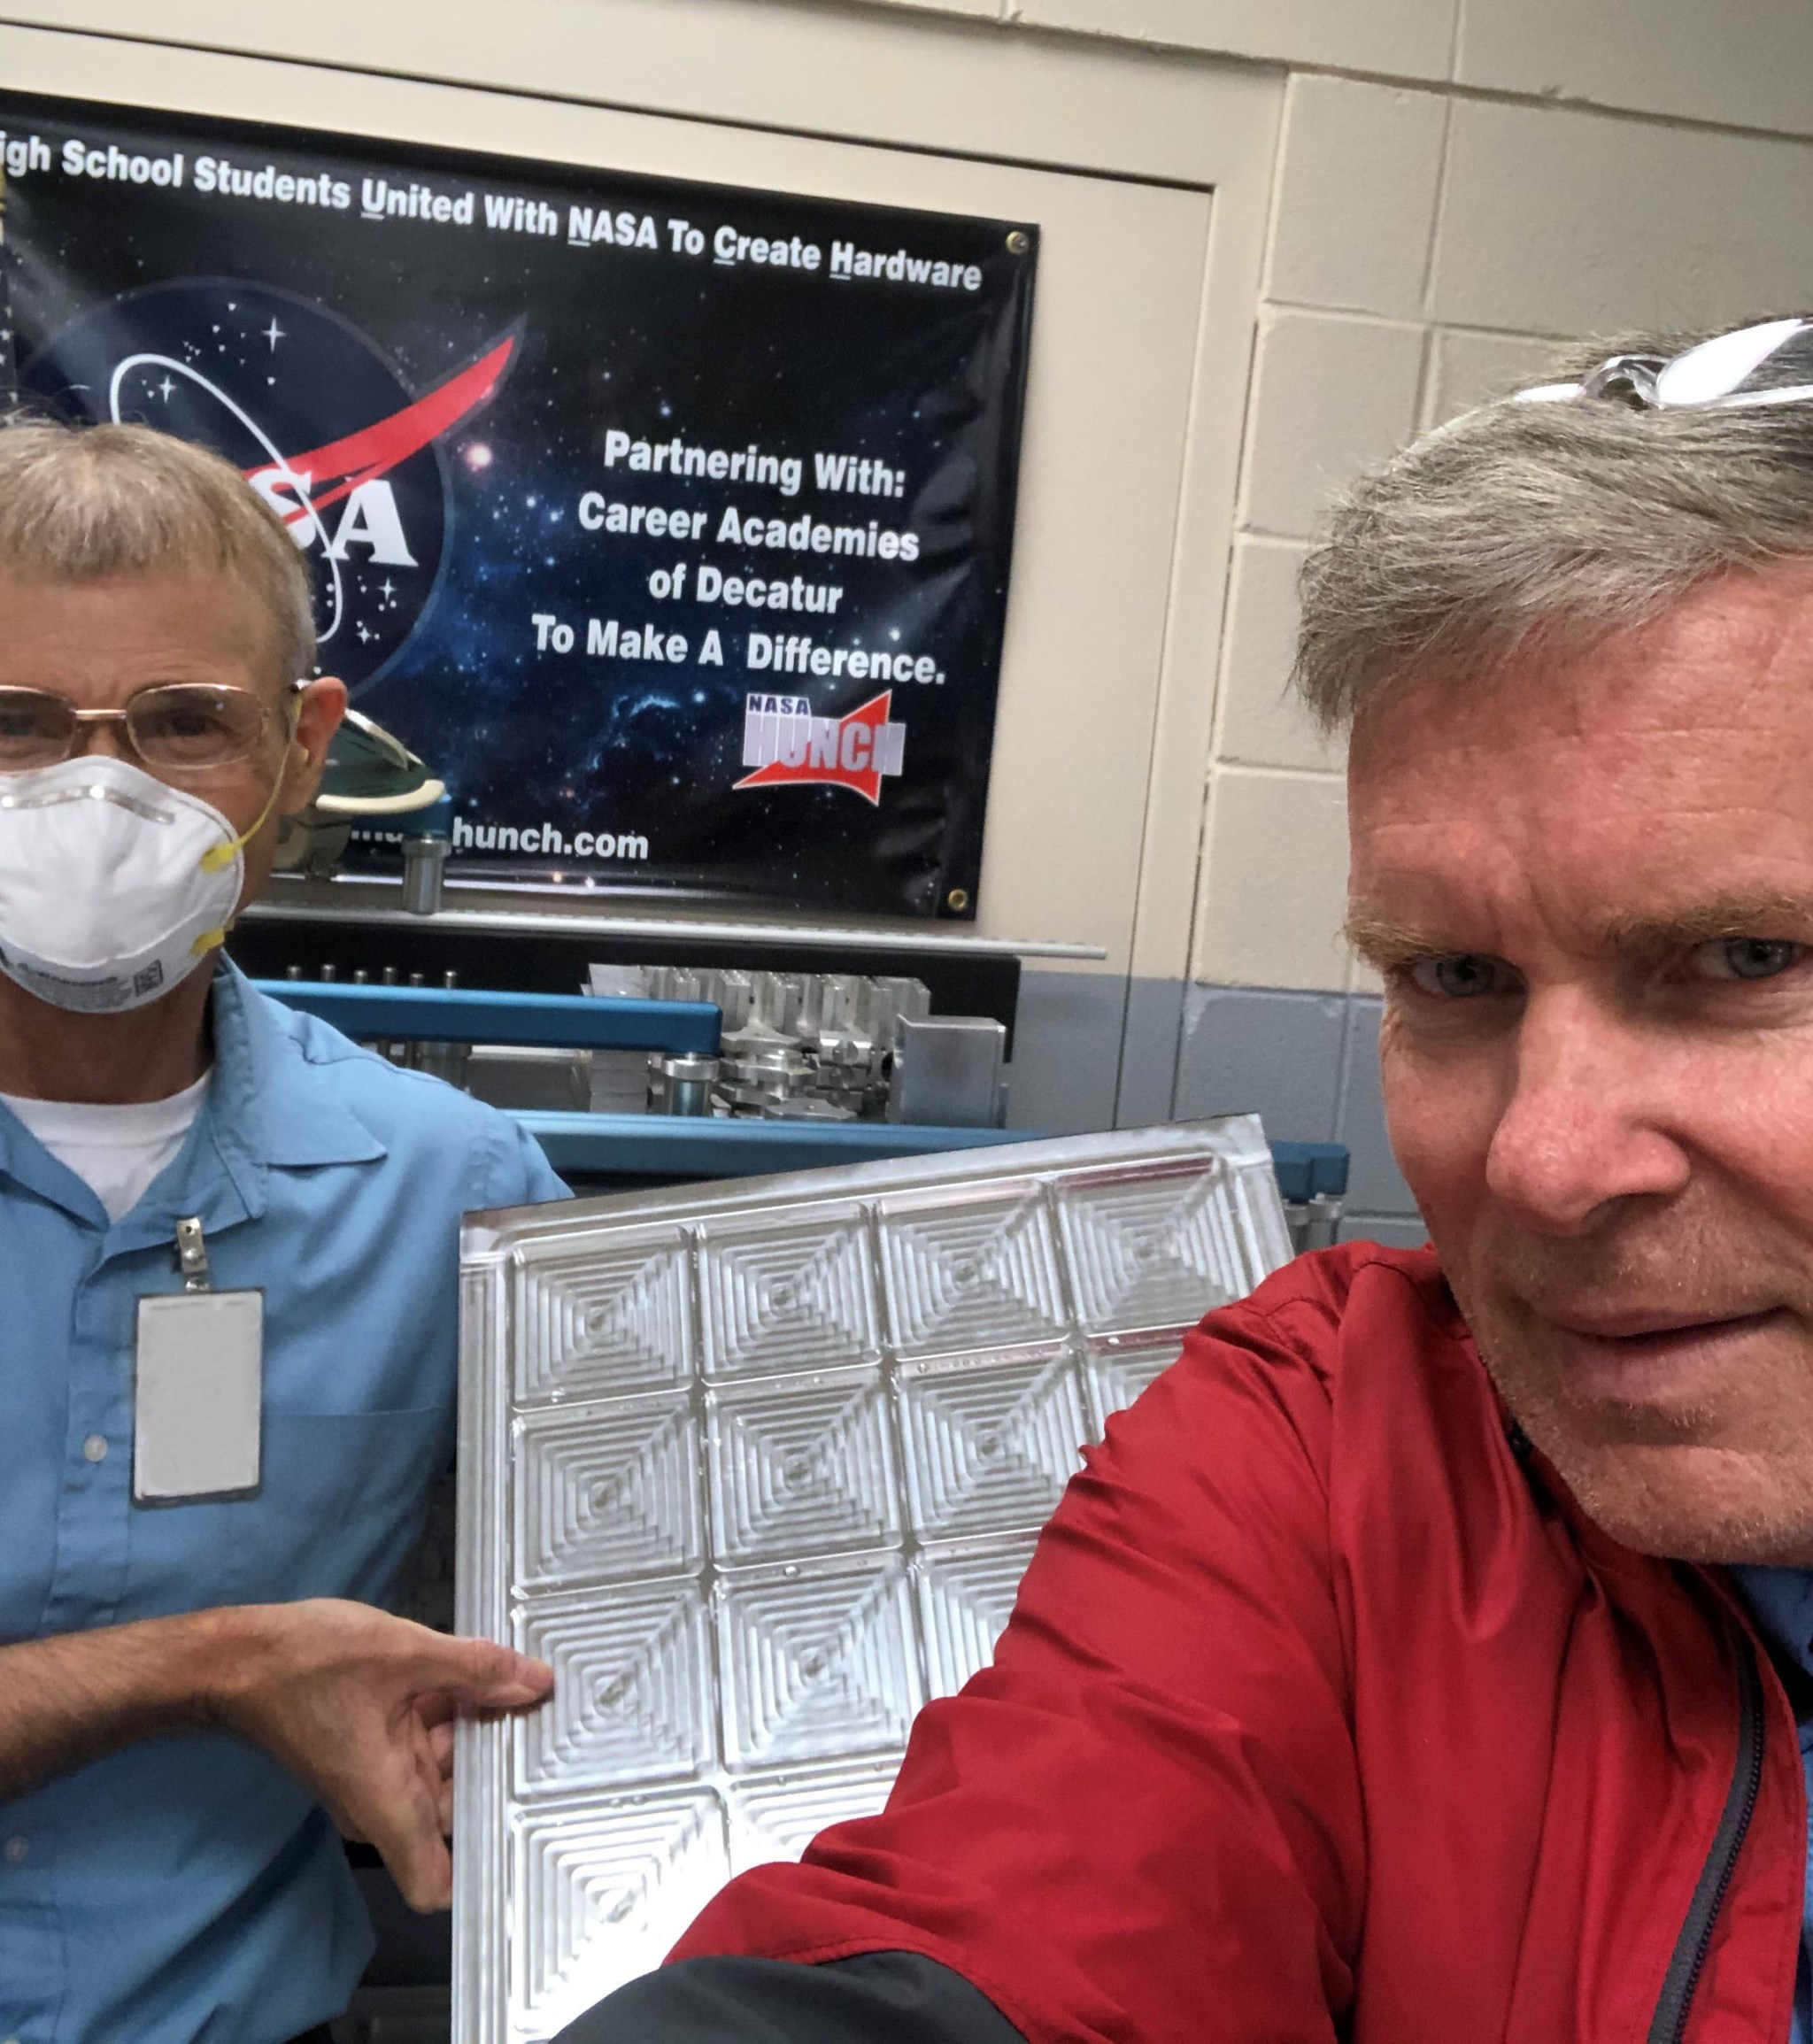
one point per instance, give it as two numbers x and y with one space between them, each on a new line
1261 1050
1275 876
1408 38
1468 369
1742 63
1263 724
1149 1053
1375 1184
1356 207
1067 1052
1332 396
988 9
1560 221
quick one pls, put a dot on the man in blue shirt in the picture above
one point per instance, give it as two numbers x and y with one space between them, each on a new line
195 1682
1781 1602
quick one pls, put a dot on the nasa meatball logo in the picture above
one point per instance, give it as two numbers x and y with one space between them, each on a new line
317 419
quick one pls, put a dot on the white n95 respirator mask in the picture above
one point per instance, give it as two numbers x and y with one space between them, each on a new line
113 886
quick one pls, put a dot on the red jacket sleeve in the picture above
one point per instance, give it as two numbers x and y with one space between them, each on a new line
1143 1821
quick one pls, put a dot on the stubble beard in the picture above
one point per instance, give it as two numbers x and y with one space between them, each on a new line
1711 1480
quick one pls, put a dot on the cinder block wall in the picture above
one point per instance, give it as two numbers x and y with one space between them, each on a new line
1429 247
1459 185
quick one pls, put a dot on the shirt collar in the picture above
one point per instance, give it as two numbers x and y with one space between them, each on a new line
1781 1602
270 1107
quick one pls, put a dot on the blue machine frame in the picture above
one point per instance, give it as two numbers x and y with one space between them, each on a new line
679 1146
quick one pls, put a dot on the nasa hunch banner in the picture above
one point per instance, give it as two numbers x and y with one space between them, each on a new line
670 523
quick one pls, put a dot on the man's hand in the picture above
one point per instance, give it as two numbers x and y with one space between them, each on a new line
360 1707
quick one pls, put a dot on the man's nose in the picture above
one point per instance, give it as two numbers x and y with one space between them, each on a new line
108 738
1589 1119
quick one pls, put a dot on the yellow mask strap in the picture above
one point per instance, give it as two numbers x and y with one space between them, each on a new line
218 856
222 855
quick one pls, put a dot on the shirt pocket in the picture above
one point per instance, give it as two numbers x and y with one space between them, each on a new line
340 1504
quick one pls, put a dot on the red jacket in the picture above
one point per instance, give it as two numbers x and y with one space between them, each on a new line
1323 1712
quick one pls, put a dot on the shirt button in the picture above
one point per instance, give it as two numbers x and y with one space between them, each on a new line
15 1850
94 1447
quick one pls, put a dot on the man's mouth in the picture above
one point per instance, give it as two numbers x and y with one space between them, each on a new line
1637 1355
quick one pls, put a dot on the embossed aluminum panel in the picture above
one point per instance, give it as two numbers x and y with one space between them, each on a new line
758 1468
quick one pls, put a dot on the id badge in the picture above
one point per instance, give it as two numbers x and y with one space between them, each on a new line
199 1397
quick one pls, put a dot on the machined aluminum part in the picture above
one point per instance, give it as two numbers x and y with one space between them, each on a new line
757 1466
791 1040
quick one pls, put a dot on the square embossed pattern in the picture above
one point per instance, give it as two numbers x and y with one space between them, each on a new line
775 1472
787 1299
980 1275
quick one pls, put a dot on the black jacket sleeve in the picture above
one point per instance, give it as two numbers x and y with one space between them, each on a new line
881 1998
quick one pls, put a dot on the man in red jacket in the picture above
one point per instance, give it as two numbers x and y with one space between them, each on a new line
1417 1662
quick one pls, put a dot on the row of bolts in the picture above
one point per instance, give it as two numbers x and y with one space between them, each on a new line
686 1081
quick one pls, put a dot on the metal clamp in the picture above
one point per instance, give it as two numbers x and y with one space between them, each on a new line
192 1255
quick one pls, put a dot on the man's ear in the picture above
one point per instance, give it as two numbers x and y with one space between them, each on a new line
319 709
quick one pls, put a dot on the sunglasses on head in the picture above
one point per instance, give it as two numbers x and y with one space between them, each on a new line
1769 364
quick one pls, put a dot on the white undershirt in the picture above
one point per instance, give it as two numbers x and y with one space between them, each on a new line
116 1150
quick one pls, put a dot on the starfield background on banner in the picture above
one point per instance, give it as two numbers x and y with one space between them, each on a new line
671 524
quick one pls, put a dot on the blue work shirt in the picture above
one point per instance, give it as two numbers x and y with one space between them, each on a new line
187 1888
1781 1602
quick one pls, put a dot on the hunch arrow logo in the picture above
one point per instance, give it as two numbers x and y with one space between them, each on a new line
788 746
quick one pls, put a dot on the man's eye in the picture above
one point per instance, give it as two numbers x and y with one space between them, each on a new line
1747 957
1463 976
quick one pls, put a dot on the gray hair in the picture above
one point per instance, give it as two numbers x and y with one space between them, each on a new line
1556 523
87 501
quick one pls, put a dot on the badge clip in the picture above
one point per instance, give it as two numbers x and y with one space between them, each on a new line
192 1255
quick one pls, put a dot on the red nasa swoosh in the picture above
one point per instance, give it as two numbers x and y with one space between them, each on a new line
343 465
866 781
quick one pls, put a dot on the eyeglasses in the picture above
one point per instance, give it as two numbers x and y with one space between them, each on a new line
1770 364
173 727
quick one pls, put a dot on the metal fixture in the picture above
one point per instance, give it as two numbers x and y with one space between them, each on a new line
424 874
817 1046
683 1084
948 1070
758 1468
